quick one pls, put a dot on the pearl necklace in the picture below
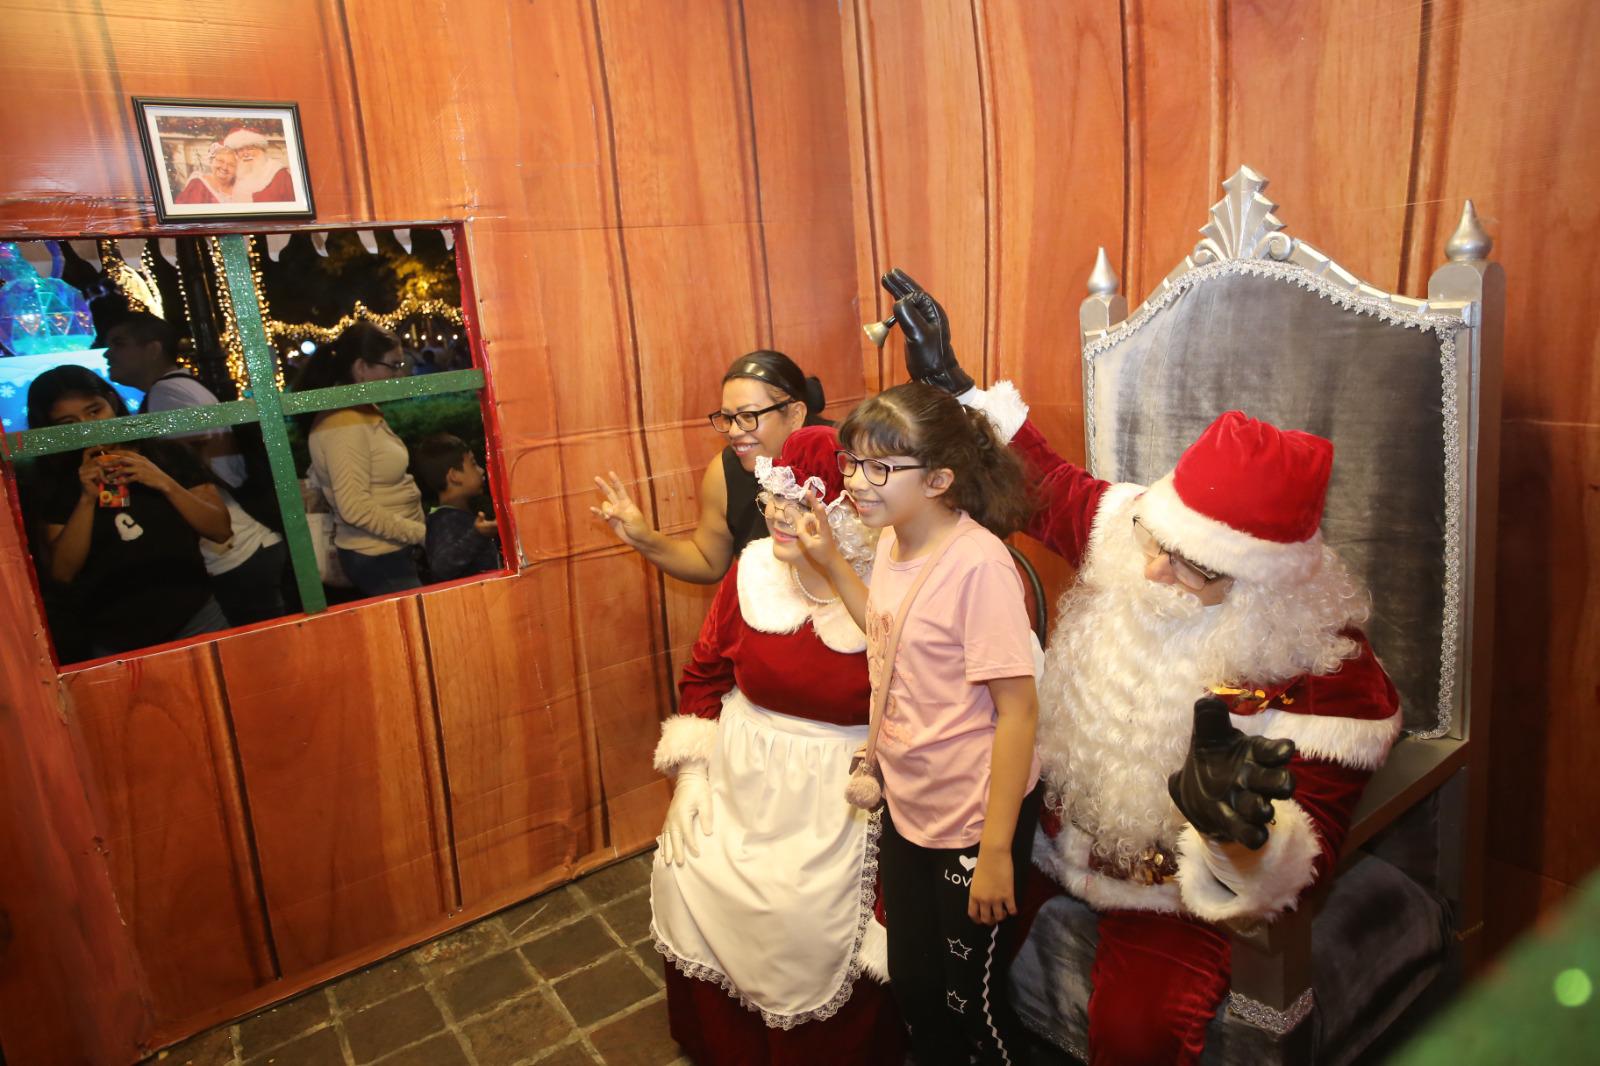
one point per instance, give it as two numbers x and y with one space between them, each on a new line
794 575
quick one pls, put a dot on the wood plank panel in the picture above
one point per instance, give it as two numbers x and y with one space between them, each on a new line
623 676
336 737
925 117
70 985
1176 68
1547 625
697 296
521 769
866 181
557 326
1056 109
1523 142
520 144
173 822
84 62
679 101
803 153
1321 101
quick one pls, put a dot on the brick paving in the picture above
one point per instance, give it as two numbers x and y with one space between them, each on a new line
569 978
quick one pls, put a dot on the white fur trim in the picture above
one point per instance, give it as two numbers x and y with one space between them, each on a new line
1220 547
1002 403
1115 504
1223 884
1066 860
770 602
874 952
1361 744
685 738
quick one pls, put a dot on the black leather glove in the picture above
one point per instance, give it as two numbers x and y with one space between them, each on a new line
929 356
1229 779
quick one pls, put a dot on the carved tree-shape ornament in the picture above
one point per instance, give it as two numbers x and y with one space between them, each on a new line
1242 224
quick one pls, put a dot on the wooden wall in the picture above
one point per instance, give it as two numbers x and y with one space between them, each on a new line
998 142
650 188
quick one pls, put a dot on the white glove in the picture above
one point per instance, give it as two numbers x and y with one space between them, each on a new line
691 799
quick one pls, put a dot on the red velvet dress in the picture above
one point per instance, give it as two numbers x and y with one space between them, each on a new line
767 656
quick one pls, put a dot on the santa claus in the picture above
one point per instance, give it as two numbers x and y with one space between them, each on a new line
261 178
1210 710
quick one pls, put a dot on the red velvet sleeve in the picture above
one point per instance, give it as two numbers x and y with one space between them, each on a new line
708 675
1328 793
1069 496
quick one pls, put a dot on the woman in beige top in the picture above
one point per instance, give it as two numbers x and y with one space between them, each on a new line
361 465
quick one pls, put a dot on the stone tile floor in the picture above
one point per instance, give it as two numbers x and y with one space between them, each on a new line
566 978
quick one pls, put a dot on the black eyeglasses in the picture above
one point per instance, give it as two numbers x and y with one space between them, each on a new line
1191 575
876 471
396 367
747 421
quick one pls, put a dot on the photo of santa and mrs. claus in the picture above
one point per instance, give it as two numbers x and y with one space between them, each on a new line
244 166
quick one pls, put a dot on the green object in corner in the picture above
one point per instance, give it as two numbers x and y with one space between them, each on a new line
1539 1004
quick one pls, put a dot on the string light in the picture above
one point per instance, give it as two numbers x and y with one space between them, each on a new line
232 344
410 307
139 288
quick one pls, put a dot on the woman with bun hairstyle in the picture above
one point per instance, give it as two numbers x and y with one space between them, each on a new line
765 398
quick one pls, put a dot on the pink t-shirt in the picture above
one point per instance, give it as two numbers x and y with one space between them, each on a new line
969 625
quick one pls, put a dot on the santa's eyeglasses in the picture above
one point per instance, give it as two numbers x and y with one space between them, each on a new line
1191 575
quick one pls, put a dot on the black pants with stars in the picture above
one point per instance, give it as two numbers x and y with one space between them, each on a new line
947 972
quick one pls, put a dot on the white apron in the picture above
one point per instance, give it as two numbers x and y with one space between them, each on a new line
775 906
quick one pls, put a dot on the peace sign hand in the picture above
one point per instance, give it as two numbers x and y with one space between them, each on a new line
621 513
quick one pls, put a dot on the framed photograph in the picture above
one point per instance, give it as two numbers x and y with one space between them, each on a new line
215 160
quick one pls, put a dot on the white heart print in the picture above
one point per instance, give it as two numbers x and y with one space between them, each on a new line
968 864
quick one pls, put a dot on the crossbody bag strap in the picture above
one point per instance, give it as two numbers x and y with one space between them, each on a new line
880 691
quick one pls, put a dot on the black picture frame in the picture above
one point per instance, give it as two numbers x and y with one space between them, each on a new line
210 160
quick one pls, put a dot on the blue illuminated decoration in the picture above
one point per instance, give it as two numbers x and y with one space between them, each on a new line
40 315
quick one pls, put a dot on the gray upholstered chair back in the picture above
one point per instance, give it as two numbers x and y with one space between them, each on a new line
1257 321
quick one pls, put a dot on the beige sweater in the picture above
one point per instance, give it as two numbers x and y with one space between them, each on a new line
361 466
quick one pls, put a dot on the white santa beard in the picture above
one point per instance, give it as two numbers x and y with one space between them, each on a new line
254 177
1127 662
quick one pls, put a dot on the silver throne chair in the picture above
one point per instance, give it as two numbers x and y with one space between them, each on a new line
1408 390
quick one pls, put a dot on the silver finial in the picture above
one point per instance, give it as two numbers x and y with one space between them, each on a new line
1469 242
1102 279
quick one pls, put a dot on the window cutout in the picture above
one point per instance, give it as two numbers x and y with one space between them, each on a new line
300 435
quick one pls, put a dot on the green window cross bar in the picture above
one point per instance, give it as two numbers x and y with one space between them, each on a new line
265 404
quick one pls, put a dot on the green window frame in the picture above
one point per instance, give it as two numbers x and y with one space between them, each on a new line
264 404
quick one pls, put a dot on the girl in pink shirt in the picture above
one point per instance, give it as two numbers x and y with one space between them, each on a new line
956 744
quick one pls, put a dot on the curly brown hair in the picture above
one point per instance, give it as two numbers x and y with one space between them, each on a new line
930 425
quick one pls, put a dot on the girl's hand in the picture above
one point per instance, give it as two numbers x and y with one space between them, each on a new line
993 895
485 526
816 536
621 513
90 472
132 466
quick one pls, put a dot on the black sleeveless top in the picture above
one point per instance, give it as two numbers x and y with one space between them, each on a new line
744 517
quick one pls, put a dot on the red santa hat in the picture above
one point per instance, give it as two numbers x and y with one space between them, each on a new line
1245 500
239 137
